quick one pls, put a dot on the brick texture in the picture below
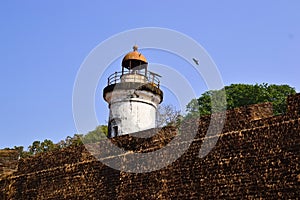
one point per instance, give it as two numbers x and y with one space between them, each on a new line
255 157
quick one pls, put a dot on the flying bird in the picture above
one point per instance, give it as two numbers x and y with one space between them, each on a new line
196 61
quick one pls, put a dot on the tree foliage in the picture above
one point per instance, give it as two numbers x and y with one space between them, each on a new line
96 135
238 95
39 147
47 145
70 141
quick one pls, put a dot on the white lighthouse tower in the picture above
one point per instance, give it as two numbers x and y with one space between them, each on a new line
133 96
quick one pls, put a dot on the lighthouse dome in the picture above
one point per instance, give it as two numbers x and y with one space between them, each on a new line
133 59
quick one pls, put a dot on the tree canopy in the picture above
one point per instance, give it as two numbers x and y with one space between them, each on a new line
39 147
238 95
96 135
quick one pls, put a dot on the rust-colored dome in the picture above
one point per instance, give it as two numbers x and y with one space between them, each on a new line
133 56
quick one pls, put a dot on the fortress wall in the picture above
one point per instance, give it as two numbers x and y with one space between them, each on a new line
55 158
293 102
8 161
253 158
251 163
72 181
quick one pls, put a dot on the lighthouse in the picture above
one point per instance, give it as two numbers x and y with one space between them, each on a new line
133 95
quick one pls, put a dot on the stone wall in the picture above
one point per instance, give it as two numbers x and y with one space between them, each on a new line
293 103
8 161
256 157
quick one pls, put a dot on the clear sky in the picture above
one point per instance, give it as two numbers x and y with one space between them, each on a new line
43 44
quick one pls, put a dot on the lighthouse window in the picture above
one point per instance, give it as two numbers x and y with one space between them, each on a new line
115 129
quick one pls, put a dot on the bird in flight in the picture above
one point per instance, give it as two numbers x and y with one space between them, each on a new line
196 61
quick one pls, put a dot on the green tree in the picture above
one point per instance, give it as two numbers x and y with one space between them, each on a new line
99 133
35 147
39 147
238 95
76 140
22 153
70 141
47 145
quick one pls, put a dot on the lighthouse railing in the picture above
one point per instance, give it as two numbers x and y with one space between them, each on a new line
150 77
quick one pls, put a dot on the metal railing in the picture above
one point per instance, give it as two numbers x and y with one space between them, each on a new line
150 77
114 78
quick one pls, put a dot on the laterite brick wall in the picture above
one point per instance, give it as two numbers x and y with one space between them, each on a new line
256 157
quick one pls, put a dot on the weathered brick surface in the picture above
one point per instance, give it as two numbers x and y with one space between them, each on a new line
53 159
293 102
8 161
256 157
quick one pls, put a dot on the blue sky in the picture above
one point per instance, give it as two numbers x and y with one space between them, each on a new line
43 44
